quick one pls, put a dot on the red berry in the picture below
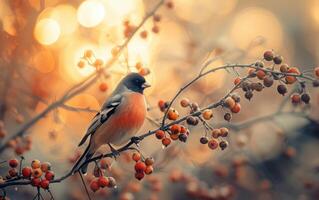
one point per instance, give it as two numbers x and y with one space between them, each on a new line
49 175
268 55
213 144
136 156
94 185
166 141
26 172
45 184
237 81
46 166
236 108
13 172
317 71
139 175
140 166
103 181
103 87
160 134
295 99
261 74
36 182
13 163
175 129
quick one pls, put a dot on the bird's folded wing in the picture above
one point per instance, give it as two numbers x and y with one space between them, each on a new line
107 110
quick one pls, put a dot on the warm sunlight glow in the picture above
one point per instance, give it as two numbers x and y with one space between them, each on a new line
90 13
65 15
47 31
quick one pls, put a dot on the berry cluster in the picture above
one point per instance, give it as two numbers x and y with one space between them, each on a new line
142 166
267 75
39 173
216 139
90 59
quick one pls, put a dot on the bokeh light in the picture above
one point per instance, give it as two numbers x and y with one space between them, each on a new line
90 13
65 15
47 31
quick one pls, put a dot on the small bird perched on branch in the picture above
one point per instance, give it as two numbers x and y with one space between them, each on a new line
119 119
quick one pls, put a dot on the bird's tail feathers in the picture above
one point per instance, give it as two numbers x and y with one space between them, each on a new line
87 154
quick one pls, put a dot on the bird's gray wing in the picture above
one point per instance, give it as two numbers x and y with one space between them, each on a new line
107 110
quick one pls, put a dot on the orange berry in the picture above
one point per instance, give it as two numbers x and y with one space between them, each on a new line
144 71
136 156
162 105
236 108
230 102
260 74
88 53
159 134
103 87
207 114
183 129
149 169
175 129
166 141
98 63
174 136
35 164
140 166
216 133
138 65
157 18
184 102
251 72
81 64
296 99
155 29
317 71
292 79
103 181
143 34
94 185
224 132
37 173
170 5
212 144
237 81
172 114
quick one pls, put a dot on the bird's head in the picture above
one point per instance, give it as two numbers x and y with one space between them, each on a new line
135 82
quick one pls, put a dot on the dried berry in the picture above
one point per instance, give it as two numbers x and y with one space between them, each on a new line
182 137
224 132
216 133
203 140
213 144
278 60
249 94
207 114
160 134
268 55
192 120
227 116
305 98
282 89
185 102
284 68
295 99
223 145
268 81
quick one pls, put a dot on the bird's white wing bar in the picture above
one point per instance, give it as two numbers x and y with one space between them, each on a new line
107 110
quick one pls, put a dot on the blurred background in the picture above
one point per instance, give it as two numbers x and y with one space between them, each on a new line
43 41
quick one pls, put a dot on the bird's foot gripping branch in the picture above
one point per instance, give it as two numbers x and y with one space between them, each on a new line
269 72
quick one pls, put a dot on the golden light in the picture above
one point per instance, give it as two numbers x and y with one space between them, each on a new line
119 10
90 13
71 55
188 9
254 22
47 31
65 15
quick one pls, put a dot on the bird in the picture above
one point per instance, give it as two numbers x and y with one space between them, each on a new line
118 120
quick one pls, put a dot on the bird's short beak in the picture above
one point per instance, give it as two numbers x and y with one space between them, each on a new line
146 85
